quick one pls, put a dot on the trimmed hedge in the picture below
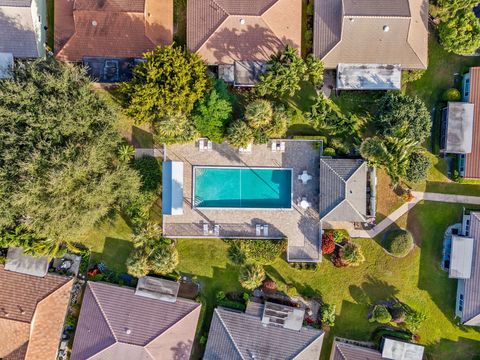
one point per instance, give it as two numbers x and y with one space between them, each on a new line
398 242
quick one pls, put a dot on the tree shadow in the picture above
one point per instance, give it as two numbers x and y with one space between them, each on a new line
142 138
372 290
460 349
114 254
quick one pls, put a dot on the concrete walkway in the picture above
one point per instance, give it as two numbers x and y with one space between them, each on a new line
417 197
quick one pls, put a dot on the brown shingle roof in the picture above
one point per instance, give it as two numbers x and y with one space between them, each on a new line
225 31
472 160
30 308
111 28
116 324
355 33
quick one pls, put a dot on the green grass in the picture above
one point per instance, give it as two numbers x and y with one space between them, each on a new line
416 279
110 243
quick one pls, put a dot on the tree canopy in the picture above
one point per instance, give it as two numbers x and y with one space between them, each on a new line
59 173
287 69
460 32
164 90
403 114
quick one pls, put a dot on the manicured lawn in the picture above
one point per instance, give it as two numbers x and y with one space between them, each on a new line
416 279
387 199
110 243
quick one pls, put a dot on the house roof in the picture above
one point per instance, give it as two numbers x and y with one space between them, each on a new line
24 298
17 30
471 298
461 257
343 194
350 350
111 28
236 335
369 77
472 160
459 127
26 264
115 323
225 31
401 350
372 32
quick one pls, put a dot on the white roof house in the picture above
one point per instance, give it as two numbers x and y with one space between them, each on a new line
459 128
461 257
369 77
400 350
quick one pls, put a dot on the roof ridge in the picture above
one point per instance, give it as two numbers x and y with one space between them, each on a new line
410 45
268 8
338 175
227 16
321 334
354 208
356 170
103 312
171 326
229 334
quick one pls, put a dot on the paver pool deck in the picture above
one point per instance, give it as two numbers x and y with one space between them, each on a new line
300 226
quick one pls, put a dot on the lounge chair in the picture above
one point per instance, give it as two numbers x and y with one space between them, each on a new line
282 146
265 230
209 145
258 229
246 150
205 229
201 144
216 229
274 146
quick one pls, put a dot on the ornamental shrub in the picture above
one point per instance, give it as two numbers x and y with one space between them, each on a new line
351 254
329 152
251 276
260 251
451 94
328 245
327 314
380 314
398 242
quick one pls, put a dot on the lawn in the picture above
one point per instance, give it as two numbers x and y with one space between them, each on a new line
110 243
387 200
415 279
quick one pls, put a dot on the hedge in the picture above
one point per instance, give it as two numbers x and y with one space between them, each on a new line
398 242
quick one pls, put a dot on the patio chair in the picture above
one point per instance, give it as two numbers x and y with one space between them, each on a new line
274 146
282 146
201 144
258 229
205 229
216 229
246 150
265 230
209 145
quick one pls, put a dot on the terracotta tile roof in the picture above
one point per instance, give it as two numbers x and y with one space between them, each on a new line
116 324
372 32
30 308
225 31
472 160
111 28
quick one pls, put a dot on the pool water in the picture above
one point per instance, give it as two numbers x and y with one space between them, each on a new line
233 187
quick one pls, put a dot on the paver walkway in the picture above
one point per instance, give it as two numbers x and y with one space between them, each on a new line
417 197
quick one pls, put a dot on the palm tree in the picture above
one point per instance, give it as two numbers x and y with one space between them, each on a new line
259 113
352 254
126 152
239 134
251 276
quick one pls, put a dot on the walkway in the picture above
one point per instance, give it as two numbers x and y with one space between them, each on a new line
417 197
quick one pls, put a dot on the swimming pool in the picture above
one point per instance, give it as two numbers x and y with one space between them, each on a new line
241 187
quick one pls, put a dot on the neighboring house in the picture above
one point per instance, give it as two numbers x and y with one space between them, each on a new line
240 36
465 266
32 312
344 349
345 192
266 332
370 41
23 28
460 133
122 323
110 36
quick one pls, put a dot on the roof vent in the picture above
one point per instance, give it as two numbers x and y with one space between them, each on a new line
94 23
242 21
352 19
128 331
386 28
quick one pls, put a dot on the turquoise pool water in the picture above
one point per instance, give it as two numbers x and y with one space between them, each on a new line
231 187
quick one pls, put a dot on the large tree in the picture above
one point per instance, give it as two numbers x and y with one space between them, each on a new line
165 88
59 174
460 32
404 115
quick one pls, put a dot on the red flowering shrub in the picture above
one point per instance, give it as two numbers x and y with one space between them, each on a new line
269 286
328 244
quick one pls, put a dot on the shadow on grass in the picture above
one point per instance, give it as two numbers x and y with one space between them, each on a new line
302 130
115 253
462 348
372 291
142 138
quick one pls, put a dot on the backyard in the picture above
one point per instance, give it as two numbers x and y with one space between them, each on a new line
416 280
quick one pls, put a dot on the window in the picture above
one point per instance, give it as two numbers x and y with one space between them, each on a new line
39 19
461 296
460 308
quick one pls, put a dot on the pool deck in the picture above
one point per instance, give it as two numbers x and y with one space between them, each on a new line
301 227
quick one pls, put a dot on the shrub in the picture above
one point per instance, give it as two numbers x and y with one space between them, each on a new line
328 245
269 286
413 319
460 33
251 276
220 296
231 304
398 242
150 172
329 152
412 75
292 291
260 251
398 313
451 94
351 254
418 167
236 255
380 314
327 314
304 265
338 236
259 113
239 134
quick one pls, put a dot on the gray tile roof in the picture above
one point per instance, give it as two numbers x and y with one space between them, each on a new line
376 8
343 187
471 302
350 350
235 335
16 3
112 316
17 33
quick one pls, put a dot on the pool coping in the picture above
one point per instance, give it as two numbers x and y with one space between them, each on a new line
240 168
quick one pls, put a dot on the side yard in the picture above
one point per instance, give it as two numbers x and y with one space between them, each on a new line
416 279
